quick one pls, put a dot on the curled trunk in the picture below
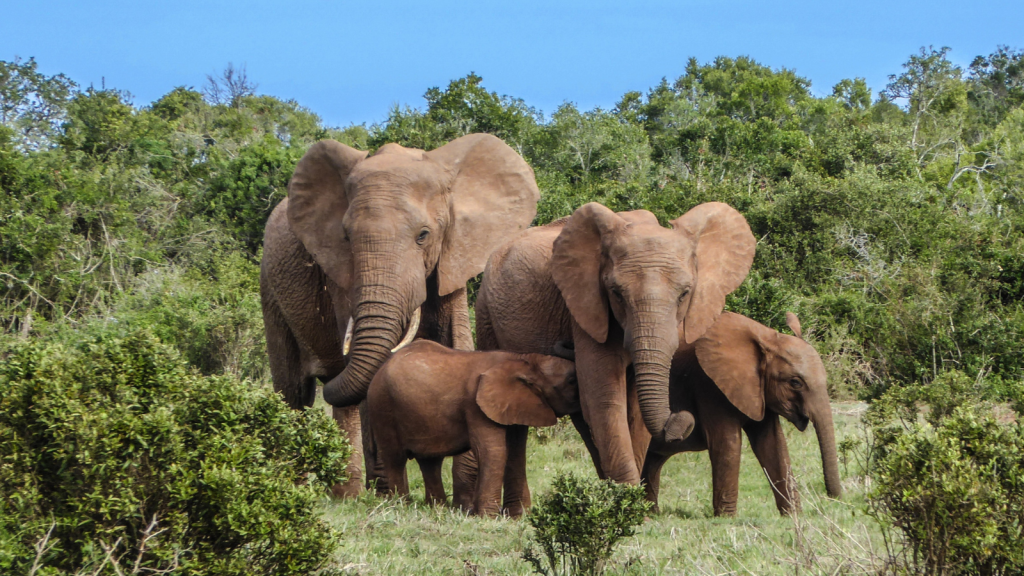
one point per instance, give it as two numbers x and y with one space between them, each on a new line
378 327
822 418
651 365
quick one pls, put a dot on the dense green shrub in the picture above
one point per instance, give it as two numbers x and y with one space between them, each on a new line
578 523
113 452
952 486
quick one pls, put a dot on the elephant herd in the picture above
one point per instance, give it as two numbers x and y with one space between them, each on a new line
368 253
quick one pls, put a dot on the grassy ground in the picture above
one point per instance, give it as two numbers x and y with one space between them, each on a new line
387 536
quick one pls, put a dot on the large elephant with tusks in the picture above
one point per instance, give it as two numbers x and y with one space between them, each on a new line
368 252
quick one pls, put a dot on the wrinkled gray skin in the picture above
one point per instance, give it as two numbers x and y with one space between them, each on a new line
374 239
624 291
743 375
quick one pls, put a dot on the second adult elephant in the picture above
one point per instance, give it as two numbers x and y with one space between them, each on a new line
742 376
624 291
366 242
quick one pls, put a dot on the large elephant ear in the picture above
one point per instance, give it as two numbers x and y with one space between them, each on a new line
507 400
493 197
724 251
317 203
732 355
576 266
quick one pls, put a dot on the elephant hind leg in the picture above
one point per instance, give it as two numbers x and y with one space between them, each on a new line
432 483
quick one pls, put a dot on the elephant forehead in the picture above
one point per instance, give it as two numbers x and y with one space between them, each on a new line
661 247
802 357
396 175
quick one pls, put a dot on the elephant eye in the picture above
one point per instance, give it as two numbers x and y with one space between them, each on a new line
422 237
796 383
617 292
684 294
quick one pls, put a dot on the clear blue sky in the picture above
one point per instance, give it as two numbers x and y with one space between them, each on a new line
350 61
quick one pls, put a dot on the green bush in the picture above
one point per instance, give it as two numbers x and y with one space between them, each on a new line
952 486
578 523
115 457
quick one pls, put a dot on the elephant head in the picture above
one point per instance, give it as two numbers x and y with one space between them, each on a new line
382 225
661 285
758 368
531 391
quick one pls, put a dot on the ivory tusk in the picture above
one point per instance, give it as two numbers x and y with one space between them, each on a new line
414 326
348 337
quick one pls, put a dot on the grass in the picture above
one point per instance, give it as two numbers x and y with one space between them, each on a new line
390 536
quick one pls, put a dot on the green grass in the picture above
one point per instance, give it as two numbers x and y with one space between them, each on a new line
390 536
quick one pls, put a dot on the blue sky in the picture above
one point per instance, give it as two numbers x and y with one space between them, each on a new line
350 61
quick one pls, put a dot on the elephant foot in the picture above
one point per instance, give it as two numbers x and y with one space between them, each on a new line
679 426
351 489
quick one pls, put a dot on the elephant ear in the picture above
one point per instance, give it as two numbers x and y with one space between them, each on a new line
794 324
724 251
507 400
493 197
317 203
576 266
731 354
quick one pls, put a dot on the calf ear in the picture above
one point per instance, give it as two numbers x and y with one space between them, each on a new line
507 400
794 324
731 354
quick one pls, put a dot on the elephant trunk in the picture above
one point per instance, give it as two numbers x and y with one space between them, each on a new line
652 360
378 323
822 418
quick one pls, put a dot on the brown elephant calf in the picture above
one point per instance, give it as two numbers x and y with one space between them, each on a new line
742 376
429 401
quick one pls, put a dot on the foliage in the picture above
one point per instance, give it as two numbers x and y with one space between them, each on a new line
579 522
890 222
952 485
113 451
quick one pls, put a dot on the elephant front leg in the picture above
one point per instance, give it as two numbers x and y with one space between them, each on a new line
350 423
651 478
768 442
516 498
489 445
601 372
588 440
722 430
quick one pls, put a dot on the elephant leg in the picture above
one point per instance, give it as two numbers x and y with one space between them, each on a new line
461 333
769 445
298 389
351 424
724 444
651 478
434 486
601 371
490 447
588 441
486 339
516 497
464 477
376 479
638 433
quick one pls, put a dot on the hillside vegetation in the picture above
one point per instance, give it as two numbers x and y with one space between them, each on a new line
890 222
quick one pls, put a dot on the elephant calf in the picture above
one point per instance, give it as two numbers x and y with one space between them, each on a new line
429 401
742 375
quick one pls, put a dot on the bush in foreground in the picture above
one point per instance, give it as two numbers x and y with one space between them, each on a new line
115 458
578 523
952 486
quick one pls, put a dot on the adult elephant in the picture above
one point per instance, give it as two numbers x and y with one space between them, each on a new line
742 375
384 245
624 291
